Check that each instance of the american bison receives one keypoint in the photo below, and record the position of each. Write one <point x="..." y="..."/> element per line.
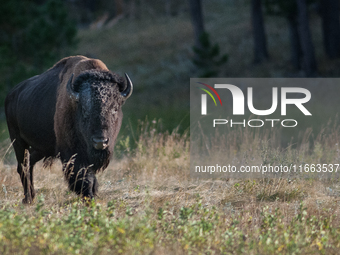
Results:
<point x="72" y="112"/>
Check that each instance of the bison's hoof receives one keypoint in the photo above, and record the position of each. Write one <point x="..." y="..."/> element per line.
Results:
<point x="27" y="201"/>
<point x="88" y="201"/>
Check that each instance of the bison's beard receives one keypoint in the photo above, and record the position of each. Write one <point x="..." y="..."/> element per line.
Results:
<point x="99" y="159"/>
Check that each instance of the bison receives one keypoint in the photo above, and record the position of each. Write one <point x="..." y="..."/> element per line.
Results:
<point x="72" y="112"/>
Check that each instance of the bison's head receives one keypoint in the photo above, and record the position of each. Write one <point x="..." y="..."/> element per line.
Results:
<point x="99" y="96"/>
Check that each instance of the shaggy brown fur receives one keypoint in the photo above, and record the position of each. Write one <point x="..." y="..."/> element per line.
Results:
<point x="64" y="118"/>
<point x="44" y="119"/>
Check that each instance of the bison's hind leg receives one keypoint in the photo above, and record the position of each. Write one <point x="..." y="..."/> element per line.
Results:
<point x="26" y="161"/>
<point x="25" y="175"/>
<point x="22" y="155"/>
<point x="25" y="170"/>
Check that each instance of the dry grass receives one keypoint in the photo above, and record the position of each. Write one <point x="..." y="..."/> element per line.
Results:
<point x="151" y="187"/>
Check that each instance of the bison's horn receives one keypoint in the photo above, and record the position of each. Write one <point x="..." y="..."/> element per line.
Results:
<point x="73" y="94"/>
<point x="129" y="87"/>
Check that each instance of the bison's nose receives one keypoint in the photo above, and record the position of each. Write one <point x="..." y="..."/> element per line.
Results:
<point x="100" y="143"/>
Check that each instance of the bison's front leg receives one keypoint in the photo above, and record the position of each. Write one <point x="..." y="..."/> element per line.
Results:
<point x="82" y="181"/>
<point x="95" y="186"/>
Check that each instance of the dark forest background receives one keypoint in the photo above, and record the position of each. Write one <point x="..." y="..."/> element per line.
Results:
<point x="162" y="43"/>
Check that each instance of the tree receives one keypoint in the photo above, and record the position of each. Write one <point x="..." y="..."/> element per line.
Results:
<point x="32" y="38"/>
<point x="207" y="58"/>
<point x="288" y="9"/>
<point x="197" y="20"/>
<point x="308" y="56"/>
<point x="331" y="27"/>
<point x="260" y="43"/>
<point x="207" y="55"/>
<point x="119" y="7"/>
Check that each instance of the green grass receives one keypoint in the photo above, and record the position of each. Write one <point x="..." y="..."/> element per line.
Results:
<point x="99" y="229"/>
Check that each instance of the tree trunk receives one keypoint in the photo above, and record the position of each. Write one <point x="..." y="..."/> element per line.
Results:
<point x="295" y="45"/>
<point x="119" y="7"/>
<point x="197" y="20"/>
<point x="308" y="56"/>
<point x="91" y="5"/>
<point x="168" y="8"/>
<point x="260" y="44"/>
<point x="331" y="27"/>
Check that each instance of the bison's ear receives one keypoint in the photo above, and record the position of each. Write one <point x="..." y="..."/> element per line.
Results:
<point x="70" y="89"/>
<point x="129" y="87"/>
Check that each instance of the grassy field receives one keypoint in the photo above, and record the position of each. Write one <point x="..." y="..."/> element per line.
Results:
<point x="147" y="202"/>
